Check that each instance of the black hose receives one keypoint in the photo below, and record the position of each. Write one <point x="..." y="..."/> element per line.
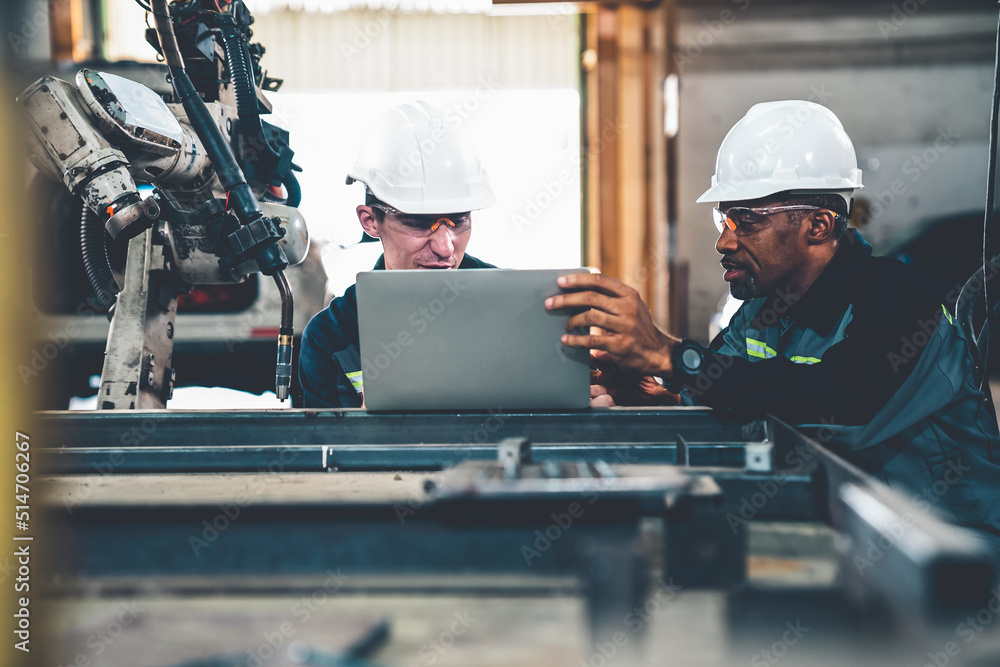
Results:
<point x="294" y="190"/>
<point x="287" y="304"/>
<point x="241" y="199"/>
<point x="238" y="59"/>
<point x="94" y="250"/>
<point x="283" y="365"/>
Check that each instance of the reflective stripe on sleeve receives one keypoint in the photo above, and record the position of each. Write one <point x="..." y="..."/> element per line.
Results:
<point x="805" y="360"/>
<point x="356" y="380"/>
<point x="756" y="348"/>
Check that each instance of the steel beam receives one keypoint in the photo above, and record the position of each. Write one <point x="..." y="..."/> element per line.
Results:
<point x="355" y="458"/>
<point x="928" y="571"/>
<point x="260" y="428"/>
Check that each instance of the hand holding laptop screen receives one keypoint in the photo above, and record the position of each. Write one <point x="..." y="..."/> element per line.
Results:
<point x="628" y="350"/>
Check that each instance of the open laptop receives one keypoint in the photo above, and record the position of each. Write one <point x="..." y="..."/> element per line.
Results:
<point x="472" y="339"/>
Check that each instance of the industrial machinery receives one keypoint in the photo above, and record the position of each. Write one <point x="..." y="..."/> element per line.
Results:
<point x="646" y="518"/>
<point x="200" y="187"/>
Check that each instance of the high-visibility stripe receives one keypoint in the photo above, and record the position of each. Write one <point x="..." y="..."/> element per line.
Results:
<point x="356" y="380"/>
<point x="947" y="314"/>
<point x="805" y="360"/>
<point x="756" y="348"/>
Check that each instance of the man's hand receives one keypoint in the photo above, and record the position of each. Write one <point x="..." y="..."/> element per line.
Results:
<point x="630" y="338"/>
<point x="600" y="398"/>
<point x="612" y="386"/>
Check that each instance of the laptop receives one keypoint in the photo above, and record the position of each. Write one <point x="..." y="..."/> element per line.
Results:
<point x="470" y="339"/>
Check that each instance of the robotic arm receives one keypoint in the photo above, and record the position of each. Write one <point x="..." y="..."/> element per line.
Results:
<point x="203" y="223"/>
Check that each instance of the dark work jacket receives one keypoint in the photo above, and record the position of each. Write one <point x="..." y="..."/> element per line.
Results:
<point x="876" y="366"/>
<point x="330" y="354"/>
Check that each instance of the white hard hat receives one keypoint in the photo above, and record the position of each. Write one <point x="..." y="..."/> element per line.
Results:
<point x="415" y="161"/>
<point x="792" y="145"/>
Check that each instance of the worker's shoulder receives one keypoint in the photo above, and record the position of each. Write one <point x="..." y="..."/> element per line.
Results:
<point x="470" y="262"/>
<point x="887" y="282"/>
<point x="336" y="326"/>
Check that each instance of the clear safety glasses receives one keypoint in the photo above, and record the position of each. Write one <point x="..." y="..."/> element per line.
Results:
<point x="743" y="221"/>
<point x="425" y="225"/>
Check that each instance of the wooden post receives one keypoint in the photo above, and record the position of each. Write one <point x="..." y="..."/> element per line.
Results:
<point x="625" y="65"/>
<point x="66" y="30"/>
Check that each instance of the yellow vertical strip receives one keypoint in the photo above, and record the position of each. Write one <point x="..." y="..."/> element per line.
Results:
<point x="15" y="248"/>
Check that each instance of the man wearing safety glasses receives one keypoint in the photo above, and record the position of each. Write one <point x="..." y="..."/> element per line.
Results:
<point x="828" y="336"/>
<point x="422" y="181"/>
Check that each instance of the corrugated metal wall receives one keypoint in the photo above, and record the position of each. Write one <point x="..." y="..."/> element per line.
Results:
<point x="364" y="49"/>
<point x="392" y="51"/>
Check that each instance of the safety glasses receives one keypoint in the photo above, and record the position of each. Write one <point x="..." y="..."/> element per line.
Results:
<point x="743" y="221"/>
<point x="425" y="225"/>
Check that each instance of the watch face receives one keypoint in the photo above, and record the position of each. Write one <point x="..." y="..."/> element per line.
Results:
<point x="691" y="358"/>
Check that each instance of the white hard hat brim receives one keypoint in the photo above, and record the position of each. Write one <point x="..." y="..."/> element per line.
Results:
<point x="749" y="191"/>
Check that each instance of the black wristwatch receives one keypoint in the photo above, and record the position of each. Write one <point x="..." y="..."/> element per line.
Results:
<point x="688" y="359"/>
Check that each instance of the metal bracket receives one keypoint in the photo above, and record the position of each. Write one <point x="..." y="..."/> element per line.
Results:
<point x="511" y="453"/>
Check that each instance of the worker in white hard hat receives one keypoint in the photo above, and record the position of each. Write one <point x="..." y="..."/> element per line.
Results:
<point x="827" y="336"/>
<point x="422" y="181"/>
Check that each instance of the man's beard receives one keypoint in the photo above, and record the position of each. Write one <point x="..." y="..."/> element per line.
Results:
<point x="745" y="290"/>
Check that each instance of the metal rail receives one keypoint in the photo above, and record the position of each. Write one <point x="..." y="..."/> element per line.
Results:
<point x="260" y="428"/>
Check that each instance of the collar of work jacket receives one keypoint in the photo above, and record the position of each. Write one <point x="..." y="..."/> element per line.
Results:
<point x="826" y="299"/>
<point x="468" y="262"/>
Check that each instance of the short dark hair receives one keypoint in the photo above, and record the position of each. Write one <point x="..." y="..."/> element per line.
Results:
<point x="835" y="203"/>
<point x="371" y="200"/>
